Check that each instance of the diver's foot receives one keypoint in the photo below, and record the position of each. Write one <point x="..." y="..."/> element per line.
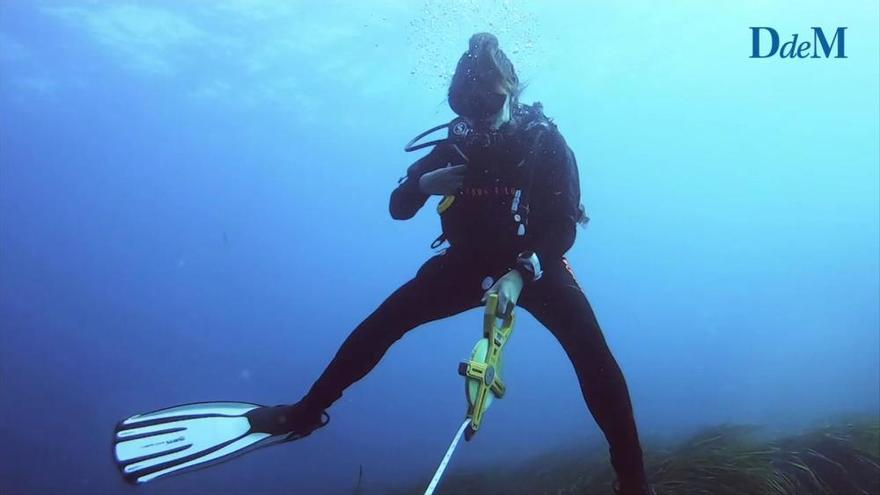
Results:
<point x="296" y="420"/>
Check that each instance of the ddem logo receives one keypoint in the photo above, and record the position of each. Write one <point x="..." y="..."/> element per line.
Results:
<point x="819" y="47"/>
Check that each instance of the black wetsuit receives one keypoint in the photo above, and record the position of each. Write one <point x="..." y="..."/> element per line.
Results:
<point x="484" y="242"/>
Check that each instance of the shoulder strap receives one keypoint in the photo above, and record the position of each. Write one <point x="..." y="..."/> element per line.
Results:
<point x="539" y="125"/>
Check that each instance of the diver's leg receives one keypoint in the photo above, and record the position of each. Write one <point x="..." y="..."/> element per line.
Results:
<point x="441" y="288"/>
<point x="557" y="301"/>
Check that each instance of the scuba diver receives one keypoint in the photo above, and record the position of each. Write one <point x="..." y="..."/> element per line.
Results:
<point x="510" y="208"/>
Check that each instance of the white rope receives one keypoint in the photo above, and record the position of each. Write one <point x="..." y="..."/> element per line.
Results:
<point x="445" y="461"/>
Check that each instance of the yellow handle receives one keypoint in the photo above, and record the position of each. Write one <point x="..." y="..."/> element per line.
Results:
<point x="445" y="204"/>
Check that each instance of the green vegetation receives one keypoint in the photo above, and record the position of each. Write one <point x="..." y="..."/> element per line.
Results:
<point x="842" y="458"/>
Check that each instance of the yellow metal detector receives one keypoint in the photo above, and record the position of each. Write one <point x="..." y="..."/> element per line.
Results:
<point x="482" y="377"/>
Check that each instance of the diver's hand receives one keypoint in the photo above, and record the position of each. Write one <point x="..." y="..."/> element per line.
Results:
<point x="508" y="288"/>
<point x="443" y="181"/>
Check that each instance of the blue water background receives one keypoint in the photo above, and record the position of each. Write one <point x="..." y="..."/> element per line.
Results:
<point x="193" y="206"/>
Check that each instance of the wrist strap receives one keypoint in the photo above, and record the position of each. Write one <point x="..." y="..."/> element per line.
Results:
<point x="528" y="264"/>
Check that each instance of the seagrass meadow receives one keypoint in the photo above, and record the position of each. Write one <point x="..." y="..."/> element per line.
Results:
<point x="838" y="457"/>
